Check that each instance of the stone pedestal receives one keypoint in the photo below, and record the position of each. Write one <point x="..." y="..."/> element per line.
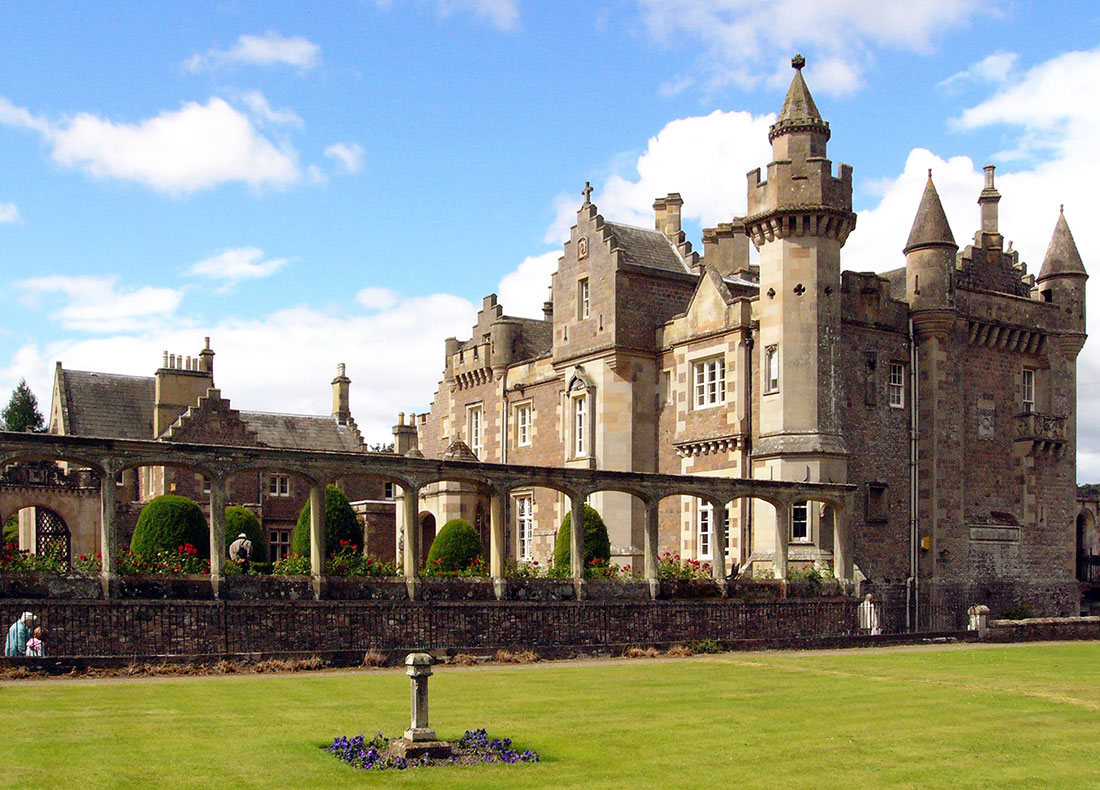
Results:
<point x="420" y="739"/>
<point x="408" y="749"/>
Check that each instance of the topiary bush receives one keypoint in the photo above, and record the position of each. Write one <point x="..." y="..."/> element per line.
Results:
<point x="240" y="519"/>
<point x="456" y="546"/>
<point x="168" y="522"/>
<point x="596" y="543"/>
<point x="11" y="530"/>
<point x="341" y="523"/>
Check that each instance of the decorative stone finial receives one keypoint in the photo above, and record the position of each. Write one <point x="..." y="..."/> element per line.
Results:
<point x="797" y="62"/>
<point x="929" y="174"/>
<point x="587" y="192"/>
<point x="1061" y="208"/>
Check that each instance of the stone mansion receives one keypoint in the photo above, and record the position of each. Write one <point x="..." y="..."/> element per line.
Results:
<point x="944" y="390"/>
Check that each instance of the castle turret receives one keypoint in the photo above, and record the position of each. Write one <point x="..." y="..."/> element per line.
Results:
<point x="799" y="218"/>
<point x="1062" y="278"/>
<point x="929" y="265"/>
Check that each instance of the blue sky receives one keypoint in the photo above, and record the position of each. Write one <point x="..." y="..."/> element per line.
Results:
<point x="343" y="182"/>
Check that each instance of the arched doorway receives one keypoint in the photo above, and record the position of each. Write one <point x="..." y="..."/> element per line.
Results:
<point x="1088" y="563"/>
<point x="427" y="534"/>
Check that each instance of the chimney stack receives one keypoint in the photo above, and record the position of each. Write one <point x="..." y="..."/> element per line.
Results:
<point x="341" y="396"/>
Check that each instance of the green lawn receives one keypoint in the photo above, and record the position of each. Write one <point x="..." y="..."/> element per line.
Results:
<point x="1011" y="716"/>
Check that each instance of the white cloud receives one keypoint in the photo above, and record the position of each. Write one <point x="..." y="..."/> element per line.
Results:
<point x="746" y="42"/>
<point x="995" y="68"/>
<point x="501" y="14"/>
<point x="523" y="291"/>
<point x="377" y="298"/>
<point x="235" y="265"/>
<point x="262" y="111"/>
<point x="270" y="49"/>
<point x="704" y="158"/>
<point x="96" y="304"/>
<point x="350" y="155"/>
<point x="178" y="151"/>
<point x="285" y="361"/>
<point x="9" y="213"/>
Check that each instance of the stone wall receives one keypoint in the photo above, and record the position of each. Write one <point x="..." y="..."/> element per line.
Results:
<point x="150" y="628"/>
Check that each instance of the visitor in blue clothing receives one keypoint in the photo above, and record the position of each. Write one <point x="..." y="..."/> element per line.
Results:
<point x="18" y="634"/>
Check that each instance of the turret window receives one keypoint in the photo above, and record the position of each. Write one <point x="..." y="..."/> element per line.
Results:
<point x="1029" y="391"/>
<point x="771" y="369"/>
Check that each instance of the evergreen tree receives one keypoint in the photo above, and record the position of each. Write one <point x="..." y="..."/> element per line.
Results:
<point x="22" y="413"/>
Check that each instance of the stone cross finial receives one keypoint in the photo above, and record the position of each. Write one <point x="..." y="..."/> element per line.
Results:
<point x="418" y="666"/>
<point x="797" y="62"/>
<point x="587" y="192"/>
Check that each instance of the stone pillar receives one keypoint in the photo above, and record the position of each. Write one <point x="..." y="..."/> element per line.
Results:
<point x="410" y="505"/>
<point x="108" y="534"/>
<point x="217" y="534"/>
<point x="418" y="666"/>
<point x="842" y="550"/>
<point x="497" y="549"/>
<point x="652" y="514"/>
<point x="782" y="534"/>
<point x="317" y="536"/>
<point x="717" y="541"/>
<point x="576" y="537"/>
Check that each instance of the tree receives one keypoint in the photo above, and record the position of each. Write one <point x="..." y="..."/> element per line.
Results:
<point x="22" y="413"/>
<point x="341" y="523"/>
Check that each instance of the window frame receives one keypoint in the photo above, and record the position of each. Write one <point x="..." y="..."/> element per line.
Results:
<point x="584" y="299"/>
<point x="522" y="421"/>
<point x="581" y="425"/>
<point x="279" y="543"/>
<point x="278" y="484"/>
<point x="770" y="369"/>
<point x="805" y="520"/>
<point x="525" y="526"/>
<point x="709" y="382"/>
<point x="1027" y="390"/>
<point x="895" y="386"/>
<point x="474" y="428"/>
<point x="703" y="531"/>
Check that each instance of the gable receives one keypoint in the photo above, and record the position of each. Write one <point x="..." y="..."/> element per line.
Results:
<point x="212" y="421"/>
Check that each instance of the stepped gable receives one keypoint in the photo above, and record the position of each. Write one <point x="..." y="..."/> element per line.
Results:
<point x="212" y="421"/>
<point x="106" y="404"/>
<point x="650" y="249"/>
<point x="303" y="432"/>
<point x="1062" y="257"/>
<point x="930" y="226"/>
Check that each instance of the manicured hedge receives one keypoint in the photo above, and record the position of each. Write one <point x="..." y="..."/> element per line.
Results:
<point x="341" y="523"/>
<point x="596" y="542"/>
<point x="166" y="523"/>
<point x="455" y="546"/>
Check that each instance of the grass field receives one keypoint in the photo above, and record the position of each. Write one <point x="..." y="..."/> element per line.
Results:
<point x="1007" y="716"/>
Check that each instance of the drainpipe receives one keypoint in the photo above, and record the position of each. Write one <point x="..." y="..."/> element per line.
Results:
<point x="746" y="453"/>
<point x="914" y="517"/>
<point x="504" y="416"/>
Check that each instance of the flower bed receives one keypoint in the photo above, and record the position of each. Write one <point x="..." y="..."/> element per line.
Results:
<point x="474" y="747"/>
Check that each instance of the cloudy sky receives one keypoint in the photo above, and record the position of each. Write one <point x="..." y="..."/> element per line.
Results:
<point x="315" y="184"/>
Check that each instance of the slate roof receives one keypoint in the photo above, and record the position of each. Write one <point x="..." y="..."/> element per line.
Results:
<point x="301" y="431"/>
<point x="536" y="337"/>
<point x="648" y="248"/>
<point x="107" y="404"/>
<point x="930" y="228"/>
<point x="1062" y="257"/>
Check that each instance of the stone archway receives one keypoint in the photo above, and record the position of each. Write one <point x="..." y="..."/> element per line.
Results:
<point x="1088" y="570"/>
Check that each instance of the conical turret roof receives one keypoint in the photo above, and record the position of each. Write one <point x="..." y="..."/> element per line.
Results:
<point x="799" y="111"/>
<point x="930" y="228"/>
<point x="1062" y="256"/>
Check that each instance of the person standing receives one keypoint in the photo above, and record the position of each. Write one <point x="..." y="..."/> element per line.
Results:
<point x="868" y="617"/>
<point x="18" y="634"/>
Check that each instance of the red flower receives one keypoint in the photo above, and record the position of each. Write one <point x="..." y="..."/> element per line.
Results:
<point x="343" y="543"/>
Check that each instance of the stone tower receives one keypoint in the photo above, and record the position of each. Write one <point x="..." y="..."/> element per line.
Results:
<point x="799" y="218"/>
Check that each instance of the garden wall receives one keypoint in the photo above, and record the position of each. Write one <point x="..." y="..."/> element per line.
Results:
<point x="216" y="629"/>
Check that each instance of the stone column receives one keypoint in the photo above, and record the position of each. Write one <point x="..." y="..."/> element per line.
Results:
<point x="410" y="510"/>
<point x="576" y="537"/>
<point x="217" y="533"/>
<point x="108" y="533"/>
<point x="717" y="541"/>
<point x="652" y="513"/>
<point x="497" y="548"/>
<point x="418" y="666"/>
<point x="317" y="535"/>
<point x="842" y="550"/>
<point x="782" y="534"/>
